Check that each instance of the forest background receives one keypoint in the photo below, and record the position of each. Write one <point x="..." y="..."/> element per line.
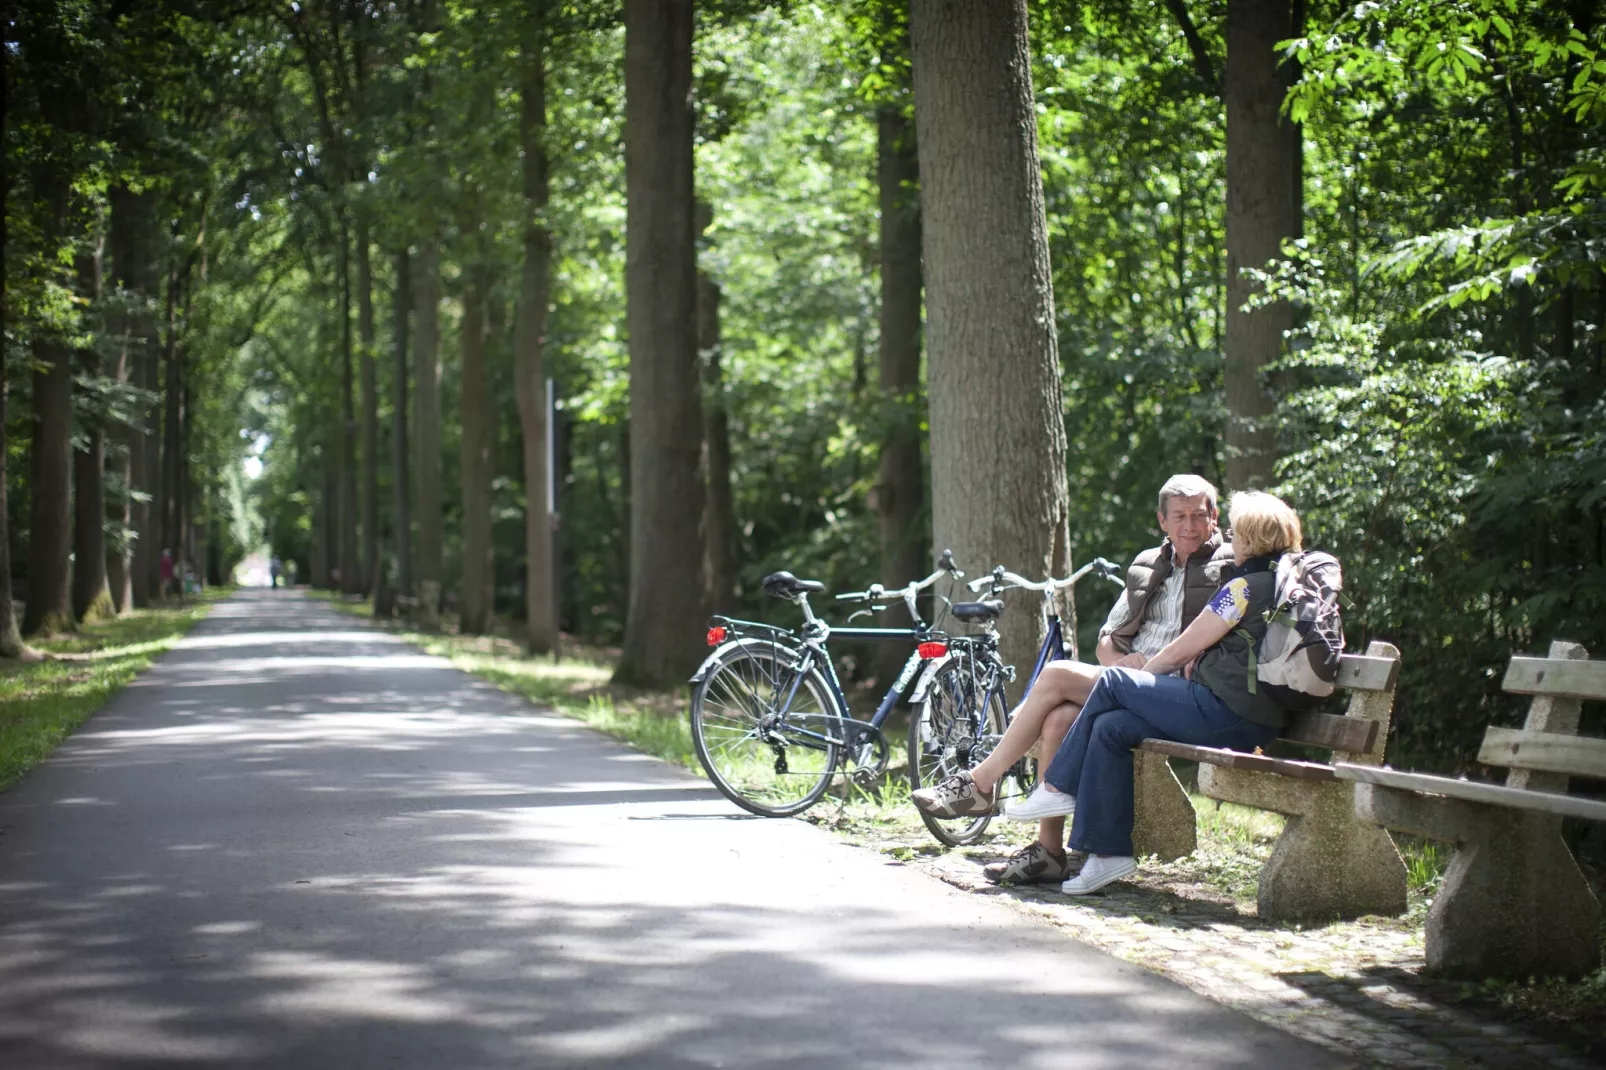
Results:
<point x="348" y="241"/>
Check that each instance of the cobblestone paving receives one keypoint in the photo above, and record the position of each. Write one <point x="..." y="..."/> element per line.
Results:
<point x="1353" y="987"/>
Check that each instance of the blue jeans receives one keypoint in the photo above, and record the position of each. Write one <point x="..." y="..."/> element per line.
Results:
<point x="1126" y="707"/>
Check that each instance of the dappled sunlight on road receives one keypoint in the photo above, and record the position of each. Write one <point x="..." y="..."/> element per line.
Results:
<point x="400" y="865"/>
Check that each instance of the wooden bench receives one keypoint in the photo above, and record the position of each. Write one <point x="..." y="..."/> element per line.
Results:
<point x="1513" y="903"/>
<point x="1327" y="863"/>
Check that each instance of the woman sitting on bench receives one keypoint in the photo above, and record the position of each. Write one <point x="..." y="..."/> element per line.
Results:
<point x="1212" y="704"/>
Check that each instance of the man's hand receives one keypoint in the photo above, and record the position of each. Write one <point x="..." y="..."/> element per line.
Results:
<point x="1133" y="660"/>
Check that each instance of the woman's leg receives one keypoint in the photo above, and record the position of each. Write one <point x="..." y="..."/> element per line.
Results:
<point x="1061" y="683"/>
<point x="1051" y="830"/>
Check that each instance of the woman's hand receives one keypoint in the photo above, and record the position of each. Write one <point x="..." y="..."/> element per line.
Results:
<point x="1205" y="632"/>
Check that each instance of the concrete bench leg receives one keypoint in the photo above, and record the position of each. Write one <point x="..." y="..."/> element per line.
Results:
<point x="1165" y="824"/>
<point x="1513" y="903"/>
<point x="1327" y="864"/>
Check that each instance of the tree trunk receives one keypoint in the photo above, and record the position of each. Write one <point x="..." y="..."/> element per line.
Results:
<point x="370" y="414"/>
<point x="10" y="638"/>
<point x="91" y="597"/>
<point x="402" y="489"/>
<point x="427" y="391"/>
<point x="49" y="603"/>
<point x="660" y="296"/>
<point x="540" y="594"/>
<point x="997" y="428"/>
<point x="900" y="487"/>
<point x="474" y="454"/>
<point x="172" y="501"/>
<point x="133" y="251"/>
<point x="719" y="509"/>
<point x="1263" y="159"/>
<point x="329" y="530"/>
<point x="350" y="565"/>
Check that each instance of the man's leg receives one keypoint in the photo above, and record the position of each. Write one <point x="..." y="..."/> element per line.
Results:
<point x="1060" y="683"/>
<point x="1051" y="830"/>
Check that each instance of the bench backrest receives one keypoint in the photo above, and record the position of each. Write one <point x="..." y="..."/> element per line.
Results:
<point x="1547" y="749"/>
<point x="1360" y="735"/>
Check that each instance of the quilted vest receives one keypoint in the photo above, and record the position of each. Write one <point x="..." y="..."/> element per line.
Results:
<point x="1147" y="575"/>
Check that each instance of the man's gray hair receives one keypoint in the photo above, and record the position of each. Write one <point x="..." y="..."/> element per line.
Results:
<point x="1185" y="486"/>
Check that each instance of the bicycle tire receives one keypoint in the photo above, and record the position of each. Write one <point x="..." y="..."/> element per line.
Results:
<point x="941" y="731"/>
<point x="787" y="773"/>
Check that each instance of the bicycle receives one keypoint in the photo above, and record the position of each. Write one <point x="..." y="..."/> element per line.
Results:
<point x="965" y="711"/>
<point x="769" y="721"/>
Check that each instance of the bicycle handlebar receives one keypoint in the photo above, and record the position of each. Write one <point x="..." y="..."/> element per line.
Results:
<point x="1011" y="581"/>
<point x="876" y="592"/>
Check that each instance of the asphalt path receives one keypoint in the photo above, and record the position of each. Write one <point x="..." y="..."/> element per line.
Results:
<point x="297" y="842"/>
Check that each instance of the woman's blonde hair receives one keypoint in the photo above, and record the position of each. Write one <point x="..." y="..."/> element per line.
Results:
<point x="1263" y="523"/>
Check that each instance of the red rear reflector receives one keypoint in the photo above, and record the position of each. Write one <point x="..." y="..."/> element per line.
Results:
<point x="716" y="636"/>
<point x="932" y="650"/>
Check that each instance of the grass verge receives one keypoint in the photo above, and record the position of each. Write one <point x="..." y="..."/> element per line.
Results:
<point x="42" y="702"/>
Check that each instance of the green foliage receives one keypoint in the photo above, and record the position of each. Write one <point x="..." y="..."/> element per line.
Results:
<point x="1441" y="419"/>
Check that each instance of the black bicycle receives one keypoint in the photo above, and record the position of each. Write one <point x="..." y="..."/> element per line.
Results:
<point x="964" y="710"/>
<point x="769" y="721"/>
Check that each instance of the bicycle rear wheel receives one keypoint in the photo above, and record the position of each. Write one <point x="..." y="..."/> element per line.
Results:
<point x="949" y="733"/>
<point x="767" y="761"/>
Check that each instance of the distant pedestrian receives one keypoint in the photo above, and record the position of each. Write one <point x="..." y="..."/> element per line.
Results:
<point x="167" y="574"/>
<point x="275" y="567"/>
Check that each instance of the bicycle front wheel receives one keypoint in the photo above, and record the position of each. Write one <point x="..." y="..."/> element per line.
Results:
<point x="768" y="739"/>
<point x="950" y="733"/>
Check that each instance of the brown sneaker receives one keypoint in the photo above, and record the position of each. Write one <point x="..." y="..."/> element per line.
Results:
<point x="953" y="796"/>
<point x="1033" y="864"/>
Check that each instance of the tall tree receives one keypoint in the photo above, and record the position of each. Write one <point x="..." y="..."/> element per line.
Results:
<point x="401" y="491"/>
<point x="1263" y="169"/>
<point x="49" y="603"/>
<point x="370" y="412"/>
<point x="997" y="430"/>
<point x="350" y="564"/>
<point x="427" y="429"/>
<point x="10" y="638"/>
<point x="133" y="238"/>
<point x="477" y="421"/>
<point x="660" y="301"/>
<point x="900" y="490"/>
<point x="540" y="581"/>
<point x="91" y="597"/>
<point x="719" y="510"/>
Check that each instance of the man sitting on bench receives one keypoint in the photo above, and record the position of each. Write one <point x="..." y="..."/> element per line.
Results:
<point x="1166" y="587"/>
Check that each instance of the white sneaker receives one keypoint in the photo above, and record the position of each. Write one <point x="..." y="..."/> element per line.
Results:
<point x="1039" y="804"/>
<point x="1098" y="871"/>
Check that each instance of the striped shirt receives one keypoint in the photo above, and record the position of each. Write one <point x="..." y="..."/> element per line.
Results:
<point x="1163" y="622"/>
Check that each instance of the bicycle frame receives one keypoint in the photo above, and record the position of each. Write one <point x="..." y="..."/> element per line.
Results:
<point x="817" y="655"/>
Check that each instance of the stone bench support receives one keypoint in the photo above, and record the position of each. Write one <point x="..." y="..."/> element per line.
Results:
<point x="1513" y="903"/>
<point x="1326" y="864"/>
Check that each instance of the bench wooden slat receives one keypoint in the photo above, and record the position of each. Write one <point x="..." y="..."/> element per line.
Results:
<point x="1239" y="760"/>
<point x="1557" y="676"/>
<point x="1475" y="791"/>
<point x="1353" y="735"/>
<point x="1548" y="752"/>
<point x="1358" y="672"/>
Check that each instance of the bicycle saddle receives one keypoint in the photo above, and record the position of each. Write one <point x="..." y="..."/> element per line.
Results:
<point x="786" y="585"/>
<point x="977" y="612"/>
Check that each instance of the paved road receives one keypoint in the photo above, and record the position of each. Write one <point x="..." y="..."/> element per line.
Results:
<point x="296" y="842"/>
